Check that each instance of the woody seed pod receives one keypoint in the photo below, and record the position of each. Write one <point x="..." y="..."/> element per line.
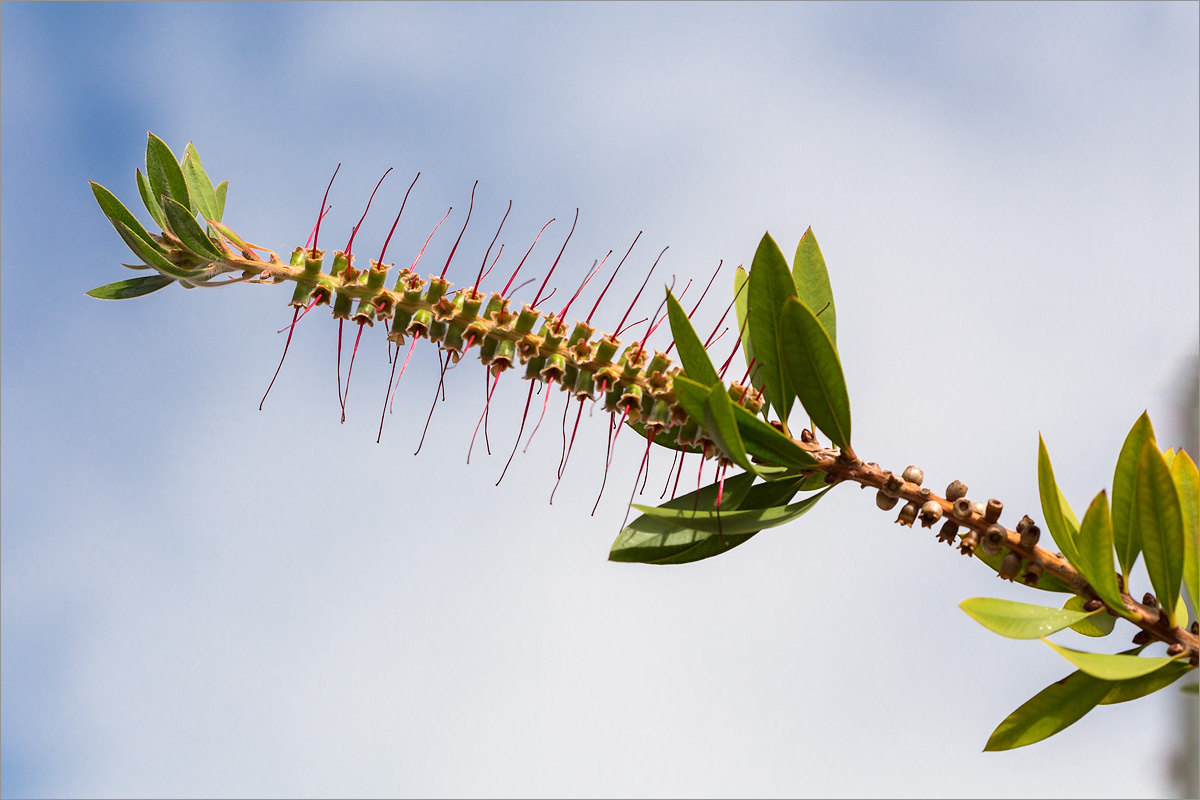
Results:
<point x="908" y="515"/>
<point x="962" y="508"/>
<point x="925" y="493"/>
<point x="968" y="542"/>
<point x="931" y="512"/>
<point x="977" y="507"/>
<point x="1033" y="571"/>
<point x="885" y="501"/>
<point x="914" y="474"/>
<point x="1174" y="650"/>
<point x="1195" y="629"/>
<point x="1149" y="600"/>
<point x="1030" y="536"/>
<point x="956" y="490"/>
<point x="948" y="533"/>
<point x="993" y="540"/>
<point x="1142" y="637"/>
<point x="892" y="484"/>
<point x="992" y="512"/>
<point x="1025" y="522"/>
<point x="1010" y="565"/>
<point x="1093" y="605"/>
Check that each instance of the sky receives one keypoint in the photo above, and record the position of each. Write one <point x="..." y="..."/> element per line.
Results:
<point x="203" y="599"/>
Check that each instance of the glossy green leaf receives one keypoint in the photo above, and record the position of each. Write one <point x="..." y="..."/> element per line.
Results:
<point x="134" y="287"/>
<point x="165" y="174"/>
<point x="668" y="441"/>
<point x="1060" y="519"/>
<point x="200" y="187"/>
<point x="1135" y="688"/>
<point x="1187" y="485"/>
<point x="116" y="212"/>
<point x="812" y="283"/>
<point x="1096" y="552"/>
<point x="1125" y="531"/>
<point x="1055" y="708"/>
<point x="741" y="304"/>
<point x="814" y="371"/>
<point x="1159" y="517"/>
<point x="1097" y="624"/>
<point x="150" y="255"/>
<point x="1119" y="667"/>
<point x="1047" y="583"/>
<point x="765" y="441"/>
<point x="737" y="521"/>
<point x="151" y="201"/>
<point x="188" y="231"/>
<point x="221" y="190"/>
<point x="691" y="395"/>
<point x="693" y="357"/>
<point x="723" y="428"/>
<point x="1019" y="620"/>
<point x="769" y="288"/>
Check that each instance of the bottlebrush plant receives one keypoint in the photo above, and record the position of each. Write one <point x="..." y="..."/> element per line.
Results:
<point x="787" y="327"/>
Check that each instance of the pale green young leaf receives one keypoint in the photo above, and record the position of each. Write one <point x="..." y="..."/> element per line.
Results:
<point x="116" y="212"/>
<point x="1119" y="667"/>
<point x="1059" y="517"/>
<point x="188" y="231"/>
<point x="1187" y="485"/>
<point x="1160" y="524"/>
<point x="150" y="255"/>
<point x="693" y="357"/>
<point x="200" y="187"/>
<point x="1095" y="545"/>
<point x="1055" y="708"/>
<point x="1125" y="529"/>
<point x="221" y="190"/>
<point x="770" y="285"/>
<point x="1136" y="688"/>
<point x="1019" y="620"/>
<point x="814" y="371"/>
<point x="1097" y="624"/>
<point x="165" y="174"/>
<point x="741" y="294"/>
<point x="812" y="282"/>
<point x="151" y="201"/>
<point x="133" y="287"/>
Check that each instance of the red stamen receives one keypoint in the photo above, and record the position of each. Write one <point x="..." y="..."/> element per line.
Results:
<point x="350" y="371"/>
<point x="404" y="366"/>
<point x="607" y="461"/>
<point x="654" y="327"/>
<point x="620" y="427"/>
<point x="493" y="266"/>
<point x="413" y="268"/>
<point x="341" y="401"/>
<point x="307" y="308"/>
<point x="667" y="485"/>
<point x="627" y="327"/>
<point x="678" y="475"/>
<point x="588" y="321"/>
<point x="320" y="214"/>
<point x="489" y="250"/>
<point x="522" y="430"/>
<point x="470" y="208"/>
<point x="567" y="457"/>
<point x="486" y="404"/>
<point x="698" y="302"/>
<point x="290" y="329"/>
<point x="594" y="270"/>
<point x="313" y="232"/>
<point x="388" y="240"/>
<point x="645" y="458"/>
<point x="538" y="297"/>
<point x="545" y="404"/>
<point x="621" y="324"/>
<point x="353" y="233"/>
<point x="440" y="389"/>
<point x="527" y="252"/>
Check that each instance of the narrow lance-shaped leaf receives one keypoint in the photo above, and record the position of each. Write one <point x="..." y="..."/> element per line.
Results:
<point x="116" y="212"/>
<point x="812" y="282"/>
<point x="1187" y="484"/>
<point x="770" y="287"/>
<point x="221" y="190"/>
<point x="165" y="174"/>
<point x="814" y="371"/>
<point x="133" y="287"/>
<point x="1119" y="667"/>
<point x="736" y="521"/>
<point x="1160" y="523"/>
<point x="189" y="232"/>
<point x="723" y="428"/>
<point x="768" y="443"/>
<point x="695" y="360"/>
<point x="1125" y="531"/>
<point x="1059" y="517"/>
<point x="200" y="187"/>
<point x="1019" y="620"/>
<point x="150" y="255"/>
<point x="1055" y="708"/>
<point x="151" y="201"/>
<point x="741" y="294"/>
<point x="1124" y="691"/>
<point x="1096" y="553"/>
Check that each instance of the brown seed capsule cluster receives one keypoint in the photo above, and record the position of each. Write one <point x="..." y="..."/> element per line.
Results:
<point x="956" y="490"/>
<point x="931" y="512"/>
<point x="1033" y="571"/>
<point x="948" y="533"/>
<point x="993" y="540"/>
<point x="1010" y="565"/>
<point x="913" y="474"/>
<point x="885" y="501"/>
<point x="968" y="542"/>
<point x="908" y="515"/>
<point x="962" y="508"/>
<point x="991" y="512"/>
<point x="1030" y="533"/>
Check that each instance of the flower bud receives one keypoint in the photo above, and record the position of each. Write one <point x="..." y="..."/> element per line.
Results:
<point x="1030" y="536"/>
<point x="956" y="490"/>
<point x="914" y="474"/>
<point x="962" y="508"/>
<point x="885" y="501"/>
<point x="1010" y="565"/>
<point x="1033" y="571"/>
<point x="948" y="533"/>
<point x="968" y="542"/>
<point x="1142" y="637"/>
<point x="931" y="512"/>
<point x="992" y="512"/>
<point x="908" y="515"/>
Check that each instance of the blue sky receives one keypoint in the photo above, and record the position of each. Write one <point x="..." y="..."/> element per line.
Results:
<point x="201" y="598"/>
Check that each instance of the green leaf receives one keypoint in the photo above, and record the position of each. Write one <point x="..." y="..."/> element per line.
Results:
<point x="134" y="287"/>
<point x="737" y="521"/>
<point x="723" y="428"/>
<point x="228" y="233"/>
<point x="1096" y="553"/>
<point x="1191" y="688"/>
<point x="1124" y="691"/>
<point x="117" y="212"/>
<point x="691" y="395"/>
<point x="814" y="371"/>
<point x="166" y="177"/>
<point x="222" y="189"/>
<point x="1019" y="620"/>
<point x="812" y="282"/>
<point x="150" y="255"/>
<point x="1060" y="519"/>
<point x="1048" y="712"/>
<point x="1125" y="532"/>
<point x="199" y="186"/>
<point x="150" y="201"/>
<point x="1097" y="624"/>
<point x="768" y="443"/>
<point x="1187" y="484"/>
<point x="696" y="363"/>
<point x="1120" y="667"/>
<point x="188" y="231"/>
<point x="769" y="288"/>
<point x="1159" y="518"/>
<point x="741" y="302"/>
<point x="1169" y="456"/>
